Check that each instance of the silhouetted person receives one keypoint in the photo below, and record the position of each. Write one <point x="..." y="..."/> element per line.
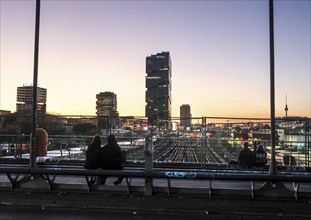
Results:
<point x="246" y="157"/>
<point x="112" y="158"/>
<point x="93" y="153"/>
<point x="255" y="146"/>
<point x="261" y="157"/>
<point x="289" y="160"/>
<point x="93" y="156"/>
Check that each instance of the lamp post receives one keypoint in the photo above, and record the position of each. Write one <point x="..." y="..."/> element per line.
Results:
<point x="35" y="85"/>
<point x="272" y="170"/>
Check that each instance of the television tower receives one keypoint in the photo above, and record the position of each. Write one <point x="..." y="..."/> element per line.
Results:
<point x="286" y="108"/>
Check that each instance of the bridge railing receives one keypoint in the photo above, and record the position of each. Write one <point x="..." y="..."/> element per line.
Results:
<point x="167" y="150"/>
<point x="224" y="138"/>
<point x="48" y="176"/>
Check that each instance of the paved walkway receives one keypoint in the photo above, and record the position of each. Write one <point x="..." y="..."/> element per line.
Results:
<point x="94" y="205"/>
<point x="189" y="199"/>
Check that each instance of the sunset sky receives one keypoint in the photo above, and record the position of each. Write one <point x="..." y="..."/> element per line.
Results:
<point x="219" y="52"/>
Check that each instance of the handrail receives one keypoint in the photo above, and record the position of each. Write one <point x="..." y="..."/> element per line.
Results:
<point x="242" y="176"/>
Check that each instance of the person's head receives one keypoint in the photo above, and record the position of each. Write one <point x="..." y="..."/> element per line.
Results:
<point x="97" y="139"/>
<point x="260" y="148"/>
<point x="111" y="138"/>
<point x="246" y="145"/>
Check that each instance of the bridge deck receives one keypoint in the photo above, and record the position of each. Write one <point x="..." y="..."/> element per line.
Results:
<point x="69" y="196"/>
<point x="23" y="205"/>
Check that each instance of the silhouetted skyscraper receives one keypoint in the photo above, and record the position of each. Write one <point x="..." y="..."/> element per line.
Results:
<point x="159" y="86"/>
<point x="185" y="116"/>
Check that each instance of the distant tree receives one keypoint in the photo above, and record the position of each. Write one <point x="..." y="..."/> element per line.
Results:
<point x="52" y="126"/>
<point x="266" y="126"/>
<point x="26" y="123"/>
<point x="9" y="129"/>
<point x="238" y="129"/>
<point x="9" y="124"/>
<point x="85" y="129"/>
<point x="9" y="120"/>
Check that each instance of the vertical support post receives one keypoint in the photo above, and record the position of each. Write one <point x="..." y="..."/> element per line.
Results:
<point x="35" y="85"/>
<point x="204" y="141"/>
<point x="148" y="164"/>
<point x="272" y="170"/>
<point x="307" y="142"/>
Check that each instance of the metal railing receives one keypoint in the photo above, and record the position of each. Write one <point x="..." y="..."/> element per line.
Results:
<point x="209" y="140"/>
<point x="149" y="173"/>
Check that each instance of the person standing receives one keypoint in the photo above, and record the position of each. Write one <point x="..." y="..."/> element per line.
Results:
<point x="261" y="157"/>
<point x="246" y="157"/>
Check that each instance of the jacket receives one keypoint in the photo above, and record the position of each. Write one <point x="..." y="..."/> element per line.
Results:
<point x="111" y="157"/>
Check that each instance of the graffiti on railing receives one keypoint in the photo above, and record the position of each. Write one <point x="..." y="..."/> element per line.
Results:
<point x="188" y="175"/>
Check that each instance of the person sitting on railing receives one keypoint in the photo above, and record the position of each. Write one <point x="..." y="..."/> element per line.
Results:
<point x="246" y="157"/>
<point x="261" y="157"/>
<point x="92" y="155"/>
<point x="289" y="160"/>
<point x="112" y="157"/>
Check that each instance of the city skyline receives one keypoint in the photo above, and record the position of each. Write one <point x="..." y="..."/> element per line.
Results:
<point x="219" y="52"/>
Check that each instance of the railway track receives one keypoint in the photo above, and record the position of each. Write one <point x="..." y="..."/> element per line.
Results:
<point x="184" y="150"/>
<point x="178" y="150"/>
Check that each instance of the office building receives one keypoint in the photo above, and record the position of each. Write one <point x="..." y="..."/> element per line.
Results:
<point x="106" y="110"/>
<point x="158" y="89"/>
<point x="25" y="97"/>
<point x="3" y="114"/>
<point x="185" y="116"/>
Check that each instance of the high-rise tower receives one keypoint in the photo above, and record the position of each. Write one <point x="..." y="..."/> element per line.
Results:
<point x="106" y="110"/>
<point x="159" y="87"/>
<point x="24" y="99"/>
<point x="185" y="116"/>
